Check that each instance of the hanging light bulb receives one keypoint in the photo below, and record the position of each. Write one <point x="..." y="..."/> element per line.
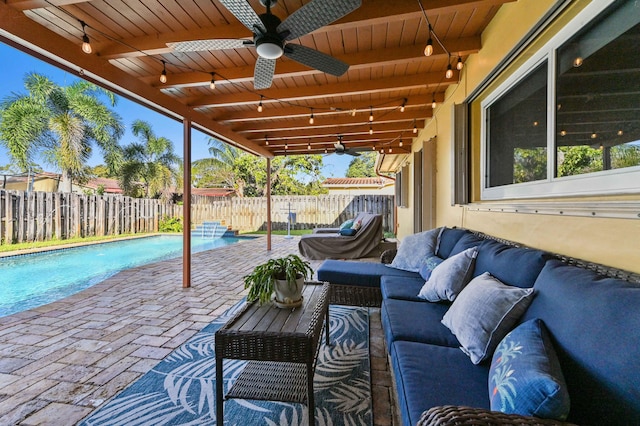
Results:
<point x="370" y="129"/>
<point x="620" y="133"/>
<point x="370" y="113"/>
<point x="86" y="44"/>
<point x="266" y="140"/>
<point x="459" y="65"/>
<point x="326" y="150"/>
<point x="403" y="104"/>
<point x="353" y="112"/>
<point x="163" y="74"/>
<point x="212" y="84"/>
<point x="309" y="146"/>
<point x="577" y="62"/>
<point x="433" y="102"/>
<point x="449" y="72"/>
<point x="390" y="150"/>
<point x="400" y="142"/>
<point x="373" y="147"/>
<point x="260" y="104"/>
<point x="286" y="146"/>
<point x="594" y="135"/>
<point x="311" y="120"/>
<point x="428" y="50"/>
<point x="563" y="133"/>
<point x="415" y="129"/>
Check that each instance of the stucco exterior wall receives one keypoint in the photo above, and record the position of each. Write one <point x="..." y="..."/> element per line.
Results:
<point x="611" y="241"/>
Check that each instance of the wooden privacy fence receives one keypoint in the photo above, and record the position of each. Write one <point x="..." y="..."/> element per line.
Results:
<point x="38" y="216"/>
<point x="248" y="214"/>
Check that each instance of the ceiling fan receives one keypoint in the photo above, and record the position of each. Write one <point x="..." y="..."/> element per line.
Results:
<point x="342" y="149"/>
<point x="271" y="36"/>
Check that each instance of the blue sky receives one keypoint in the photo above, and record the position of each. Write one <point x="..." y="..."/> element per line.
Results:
<point x="21" y="64"/>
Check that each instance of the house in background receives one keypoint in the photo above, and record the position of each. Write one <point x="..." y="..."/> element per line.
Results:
<point x="359" y="186"/>
<point x="39" y="181"/>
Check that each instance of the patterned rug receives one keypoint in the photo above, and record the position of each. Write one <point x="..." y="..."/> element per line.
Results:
<point x="180" y="390"/>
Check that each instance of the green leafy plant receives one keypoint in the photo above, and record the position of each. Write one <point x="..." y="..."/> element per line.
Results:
<point x="262" y="280"/>
<point x="170" y="224"/>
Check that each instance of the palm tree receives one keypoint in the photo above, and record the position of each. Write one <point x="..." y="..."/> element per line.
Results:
<point x="219" y="169"/>
<point x="151" y="163"/>
<point x="61" y="124"/>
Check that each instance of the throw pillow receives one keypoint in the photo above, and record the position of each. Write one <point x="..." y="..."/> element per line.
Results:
<point x="450" y="277"/>
<point x="525" y="376"/>
<point x="483" y="313"/>
<point x="415" y="249"/>
<point x="356" y="225"/>
<point x="349" y="232"/>
<point x="428" y="267"/>
<point x="346" y="224"/>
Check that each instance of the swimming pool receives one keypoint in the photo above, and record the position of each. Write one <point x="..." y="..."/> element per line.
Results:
<point x="32" y="280"/>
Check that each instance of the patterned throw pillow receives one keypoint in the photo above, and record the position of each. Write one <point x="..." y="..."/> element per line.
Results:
<point x="450" y="277"/>
<point x="483" y="313"/>
<point x="429" y="266"/>
<point x="415" y="249"/>
<point x="525" y="376"/>
<point x="357" y="225"/>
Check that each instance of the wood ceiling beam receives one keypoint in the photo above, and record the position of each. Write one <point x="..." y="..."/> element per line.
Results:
<point x="288" y="68"/>
<point x="397" y="127"/>
<point x="29" y="36"/>
<point x="38" y="4"/>
<point x="320" y="122"/>
<point x="371" y="12"/>
<point x="414" y="81"/>
<point x="323" y="109"/>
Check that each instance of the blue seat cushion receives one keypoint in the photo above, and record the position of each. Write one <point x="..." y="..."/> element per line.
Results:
<point x="448" y="238"/>
<point x="416" y="322"/>
<point x="428" y="376"/>
<point x="499" y="259"/>
<point x="595" y="326"/>
<point x="358" y="273"/>
<point x="404" y="288"/>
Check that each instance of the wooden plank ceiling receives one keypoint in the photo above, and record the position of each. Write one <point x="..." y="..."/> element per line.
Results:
<point x="383" y="42"/>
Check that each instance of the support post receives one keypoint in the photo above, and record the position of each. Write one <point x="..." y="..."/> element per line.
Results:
<point x="186" y="206"/>
<point x="268" y="204"/>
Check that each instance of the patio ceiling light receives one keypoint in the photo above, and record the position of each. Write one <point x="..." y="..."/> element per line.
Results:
<point x="212" y="85"/>
<point x="370" y="129"/>
<point x="428" y="50"/>
<point x="433" y="102"/>
<point x="404" y="101"/>
<point x="86" y="43"/>
<point x="370" y="113"/>
<point x="459" y="65"/>
<point x="311" y="120"/>
<point x="163" y="74"/>
<point x="260" y="104"/>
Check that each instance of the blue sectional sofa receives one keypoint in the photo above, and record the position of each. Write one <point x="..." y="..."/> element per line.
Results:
<point x="592" y="318"/>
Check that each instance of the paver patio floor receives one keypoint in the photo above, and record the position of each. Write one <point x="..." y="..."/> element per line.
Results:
<point x="61" y="361"/>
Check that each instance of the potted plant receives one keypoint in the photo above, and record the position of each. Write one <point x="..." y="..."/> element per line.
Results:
<point x="283" y="276"/>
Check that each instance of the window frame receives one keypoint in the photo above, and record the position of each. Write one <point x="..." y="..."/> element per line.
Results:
<point x="605" y="182"/>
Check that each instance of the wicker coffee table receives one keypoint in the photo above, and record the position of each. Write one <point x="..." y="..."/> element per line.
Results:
<point x="282" y="347"/>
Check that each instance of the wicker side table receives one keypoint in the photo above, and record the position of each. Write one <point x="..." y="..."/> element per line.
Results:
<point x="282" y="347"/>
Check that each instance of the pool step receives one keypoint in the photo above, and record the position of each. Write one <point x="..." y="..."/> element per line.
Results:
<point x="212" y="229"/>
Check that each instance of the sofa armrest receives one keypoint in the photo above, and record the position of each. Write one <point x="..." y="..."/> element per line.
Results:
<point x="388" y="255"/>
<point x="450" y="415"/>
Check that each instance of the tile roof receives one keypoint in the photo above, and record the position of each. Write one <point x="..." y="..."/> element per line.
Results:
<point x="367" y="181"/>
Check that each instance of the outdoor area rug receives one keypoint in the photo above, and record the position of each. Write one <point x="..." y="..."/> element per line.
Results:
<point x="180" y="390"/>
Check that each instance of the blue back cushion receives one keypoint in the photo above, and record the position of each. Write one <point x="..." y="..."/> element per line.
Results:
<point x="595" y="324"/>
<point x="465" y="242"/>
<point x="499" y="259"/>
<point x="448" y="238"/>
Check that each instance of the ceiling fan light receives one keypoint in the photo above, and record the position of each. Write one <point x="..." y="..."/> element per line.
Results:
<point x="269" y="50"/>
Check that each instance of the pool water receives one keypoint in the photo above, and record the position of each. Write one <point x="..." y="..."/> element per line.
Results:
<point x="32" y="280"/>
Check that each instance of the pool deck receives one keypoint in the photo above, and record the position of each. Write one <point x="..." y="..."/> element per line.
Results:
<point x="61" y="361"/>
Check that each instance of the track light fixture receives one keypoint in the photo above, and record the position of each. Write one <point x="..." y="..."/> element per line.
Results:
<point x="212" y="84"/>
<point x="163" y="74"/>
<point x="260" y="105"/>
<point x="86" y="43"/>
<point x="459" y="64"/>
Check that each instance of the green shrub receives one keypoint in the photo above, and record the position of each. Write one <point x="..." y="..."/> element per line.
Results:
<point x="170" y="224"/>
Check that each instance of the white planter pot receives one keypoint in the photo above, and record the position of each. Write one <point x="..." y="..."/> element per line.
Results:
<point x="286" y="295"/>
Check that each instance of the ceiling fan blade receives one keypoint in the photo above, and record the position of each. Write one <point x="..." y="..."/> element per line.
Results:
<point x="316" y="14"/>
<point x="245" y="14"/>
<point x="315" y="59"/>
<point x="353" y="153"/>
<point x="213" y="44"/>
<point x="263" y="73"/>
